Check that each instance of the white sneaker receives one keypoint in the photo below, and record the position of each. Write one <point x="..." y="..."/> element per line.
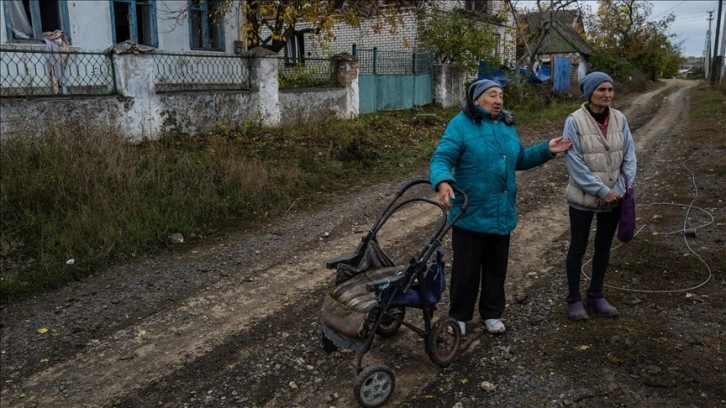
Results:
<point x="494" y="326"/>
<point x="462" y="326"/>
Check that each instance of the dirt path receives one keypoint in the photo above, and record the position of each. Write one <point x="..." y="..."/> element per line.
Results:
<point x="235" y="323"/>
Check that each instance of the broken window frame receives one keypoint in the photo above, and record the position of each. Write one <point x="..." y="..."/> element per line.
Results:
<point x="35" y="18"/>
<point x="151" y="24"/>
<point x="203" y="38"/>
<point x="295" y="49"/>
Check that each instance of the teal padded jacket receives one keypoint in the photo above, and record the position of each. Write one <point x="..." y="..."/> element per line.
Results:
<point x="482" y="160"/>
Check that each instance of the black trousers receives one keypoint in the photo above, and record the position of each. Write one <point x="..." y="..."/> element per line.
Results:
<point x="479" y="262"/>
<point x="580" y="223"/>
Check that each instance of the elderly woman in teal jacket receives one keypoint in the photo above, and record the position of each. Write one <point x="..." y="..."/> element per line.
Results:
<point x="480" y="152"/>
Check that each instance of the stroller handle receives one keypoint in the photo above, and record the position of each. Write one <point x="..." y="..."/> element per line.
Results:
<point x="410" y="184"/>
<point x="395" y="203"/>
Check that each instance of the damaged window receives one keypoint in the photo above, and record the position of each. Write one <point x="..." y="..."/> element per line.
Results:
<point x="29" y="19"/>
<point x="295" y="49"/>
<point x="207" y="24"/>
<point x="134" y="20"/>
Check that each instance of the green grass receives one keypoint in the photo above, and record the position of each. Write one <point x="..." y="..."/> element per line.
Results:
<point x="87" y="195"/>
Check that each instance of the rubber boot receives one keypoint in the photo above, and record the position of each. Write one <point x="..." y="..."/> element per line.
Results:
<point x="576" y="311"/>
<point x="601" y="306"/>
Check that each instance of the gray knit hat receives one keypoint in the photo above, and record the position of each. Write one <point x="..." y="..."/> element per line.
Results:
<point x="481" y="86"/>
<point x="589" y="84"/>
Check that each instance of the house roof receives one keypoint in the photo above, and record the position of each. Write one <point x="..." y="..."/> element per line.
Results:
<point x="573" y="37"/>
<point x="564" y="22"/>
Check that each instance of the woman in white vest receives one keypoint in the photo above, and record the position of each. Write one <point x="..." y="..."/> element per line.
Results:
<point x="602" y="148"/>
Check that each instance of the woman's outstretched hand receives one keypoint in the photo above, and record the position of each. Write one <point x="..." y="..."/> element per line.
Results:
<point x="559" y="145"/>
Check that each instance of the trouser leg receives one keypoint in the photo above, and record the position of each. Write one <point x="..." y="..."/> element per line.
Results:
<point x="580" y="222"/>
<point x="607" y="224"/>
<point x="465" y="273"/>
<point x="494" y="274"/>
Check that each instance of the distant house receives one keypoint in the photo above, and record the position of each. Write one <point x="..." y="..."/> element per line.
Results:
<point x="562" y="40"/>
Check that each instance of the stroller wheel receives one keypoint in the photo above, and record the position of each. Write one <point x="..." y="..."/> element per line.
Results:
<point x="443" y="341"/>
<point x="374" y="386"/>
<point x="391" y="322"/>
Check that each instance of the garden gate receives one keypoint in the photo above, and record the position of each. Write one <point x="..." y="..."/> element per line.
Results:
<point x="393" y="80"/>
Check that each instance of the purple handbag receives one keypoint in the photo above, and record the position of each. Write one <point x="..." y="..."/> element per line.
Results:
<point x="626" y="224"/>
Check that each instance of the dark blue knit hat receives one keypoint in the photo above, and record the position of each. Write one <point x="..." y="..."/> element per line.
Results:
<point x="589" y="84"/>
<point x="481" y="86"/>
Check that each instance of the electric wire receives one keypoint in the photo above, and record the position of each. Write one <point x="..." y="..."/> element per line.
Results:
<point x="685" y="231"/>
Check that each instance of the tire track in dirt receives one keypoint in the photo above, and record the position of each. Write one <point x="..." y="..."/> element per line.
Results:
<point x="157" y="346"/>
<point x="537" y="230"/>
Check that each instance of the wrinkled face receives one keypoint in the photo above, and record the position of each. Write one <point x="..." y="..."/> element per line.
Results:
<point x="491" y="101"/>
<point x="602" y="97"/>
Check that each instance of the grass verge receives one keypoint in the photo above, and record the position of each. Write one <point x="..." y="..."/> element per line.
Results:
<point x="85" y="198"/>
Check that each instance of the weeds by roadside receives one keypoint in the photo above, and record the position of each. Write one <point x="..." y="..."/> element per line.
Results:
<point x="83" y="197"/>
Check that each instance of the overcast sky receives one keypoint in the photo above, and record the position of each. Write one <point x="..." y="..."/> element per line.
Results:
<point x="689" y="27"/>
<point x="691" y="23"/>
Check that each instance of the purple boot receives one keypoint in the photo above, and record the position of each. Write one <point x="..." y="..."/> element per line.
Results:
<point x="601" y="306"/>
<point x="576" y="311"/>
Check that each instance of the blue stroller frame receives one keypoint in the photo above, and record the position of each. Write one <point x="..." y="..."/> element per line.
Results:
<point x="371" y="295"/>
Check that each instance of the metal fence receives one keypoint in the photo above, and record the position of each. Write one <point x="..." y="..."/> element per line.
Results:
<point x="36" y="72"/>
<point x="200" y="72"/>
<point x="382" y="62"/>
<point x="307" y="73"/>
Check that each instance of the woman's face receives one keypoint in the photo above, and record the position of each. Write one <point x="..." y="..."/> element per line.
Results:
<point x="491" y="101"/>
<point x="602" y="97"/>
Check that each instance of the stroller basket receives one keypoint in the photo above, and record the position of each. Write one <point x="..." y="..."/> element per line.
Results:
<point x="348" y="306"/>
<point x="371" y="294"/>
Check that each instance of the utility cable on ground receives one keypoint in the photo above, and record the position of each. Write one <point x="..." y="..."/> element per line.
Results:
<point x="685" y="231"/>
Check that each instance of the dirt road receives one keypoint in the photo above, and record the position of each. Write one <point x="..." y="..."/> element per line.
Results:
<point x="235" y="323"/>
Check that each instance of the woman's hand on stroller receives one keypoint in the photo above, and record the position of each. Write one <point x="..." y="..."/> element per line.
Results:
<point x="445" y="193"/>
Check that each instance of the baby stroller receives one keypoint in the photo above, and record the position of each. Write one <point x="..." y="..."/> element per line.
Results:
<point x="371" y="295"/>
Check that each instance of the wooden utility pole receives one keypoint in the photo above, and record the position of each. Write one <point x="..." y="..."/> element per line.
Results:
<point x="723" y="49"/>
<point x="716" y="62"/>
<point x="707" y="59"/>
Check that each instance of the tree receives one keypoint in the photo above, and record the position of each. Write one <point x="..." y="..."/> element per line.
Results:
<point x="458" y="39"/>
<point x="621" y="28"/>
<point x="280" y="18"/>
<point x="532" y="38"/>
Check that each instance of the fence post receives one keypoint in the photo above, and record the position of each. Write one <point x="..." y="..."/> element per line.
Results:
<point x="449" y="85"/>
<point x="134" y="73"/>
<point x="264" y="80"/>
<point x="375" y="60"/>
<point x="345" y="75"/>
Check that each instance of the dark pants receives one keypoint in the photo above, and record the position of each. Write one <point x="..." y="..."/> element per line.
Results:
<point x="580" y="222"/>
<point x="480" y="261"/>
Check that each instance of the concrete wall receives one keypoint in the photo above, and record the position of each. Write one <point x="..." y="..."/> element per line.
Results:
<point x="139" y="113"/>
<point x="3" y="30"/>
<point x="90" y="24"/>
<point x="449" y="86"/>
